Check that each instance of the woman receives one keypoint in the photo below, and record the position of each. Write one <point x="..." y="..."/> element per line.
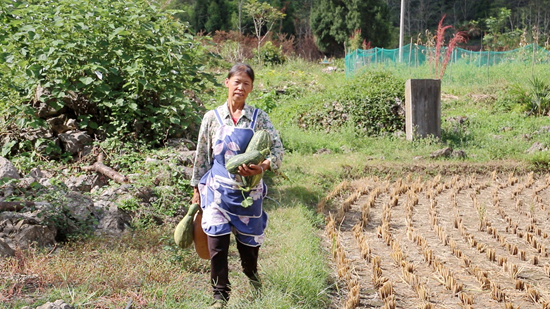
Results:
<point x="225" y="132"/>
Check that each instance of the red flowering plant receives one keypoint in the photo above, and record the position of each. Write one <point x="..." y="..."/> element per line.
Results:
<point x="458" y="37"/>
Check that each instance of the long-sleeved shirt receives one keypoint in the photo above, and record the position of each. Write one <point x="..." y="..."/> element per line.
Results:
<point x="204" y="154"/>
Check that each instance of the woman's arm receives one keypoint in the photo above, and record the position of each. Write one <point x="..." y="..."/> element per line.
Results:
<point x="203" y="154"/>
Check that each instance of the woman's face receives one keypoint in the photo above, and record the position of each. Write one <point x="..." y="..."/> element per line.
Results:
<point x="238" y="87"/>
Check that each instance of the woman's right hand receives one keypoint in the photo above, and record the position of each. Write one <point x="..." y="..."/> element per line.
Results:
<point x="196" y="199"/>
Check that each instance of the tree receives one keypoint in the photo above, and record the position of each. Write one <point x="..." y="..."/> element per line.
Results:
<point x="263" y="14"/>
<point x="211" y="15"/>
<point x="334" y="21"/>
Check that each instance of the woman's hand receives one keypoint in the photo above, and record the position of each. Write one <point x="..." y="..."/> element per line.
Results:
<point x="196" y="199"/>
<point x="253" y="169"/>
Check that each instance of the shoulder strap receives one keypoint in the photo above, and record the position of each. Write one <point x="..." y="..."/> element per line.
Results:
<point x="254" y="117"/>
<point x="218" y="117"/>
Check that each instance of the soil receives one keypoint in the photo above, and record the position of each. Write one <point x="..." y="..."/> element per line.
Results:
<point x="494" y="224"/>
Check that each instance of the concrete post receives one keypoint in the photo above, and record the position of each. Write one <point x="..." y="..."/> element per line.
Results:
<point x="422" y="108"/>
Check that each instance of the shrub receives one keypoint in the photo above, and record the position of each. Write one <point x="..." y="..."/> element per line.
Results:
<point x="370" y="102"/>
<point x="125" y="68"/>
<point x="270" y="54"/>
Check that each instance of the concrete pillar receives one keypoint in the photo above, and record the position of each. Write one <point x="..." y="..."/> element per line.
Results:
<point x="422" y="108"/>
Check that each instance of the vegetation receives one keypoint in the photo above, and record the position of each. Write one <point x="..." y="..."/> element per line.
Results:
<point x="139" y="76"/>
<point x="122" y="68"/>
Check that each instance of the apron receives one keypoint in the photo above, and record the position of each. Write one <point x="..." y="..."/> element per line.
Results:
<point x="220" y="194"/>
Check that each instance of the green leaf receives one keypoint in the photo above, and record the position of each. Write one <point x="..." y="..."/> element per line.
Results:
<point x="7" y="148"/>
<point x="86" y="80"/>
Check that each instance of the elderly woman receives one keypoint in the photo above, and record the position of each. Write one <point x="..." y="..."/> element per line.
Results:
<point x="225" y="132"/>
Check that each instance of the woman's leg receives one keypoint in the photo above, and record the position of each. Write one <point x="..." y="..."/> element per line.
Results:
<point x="219" y="270"/>
<point x="249" y="262"/>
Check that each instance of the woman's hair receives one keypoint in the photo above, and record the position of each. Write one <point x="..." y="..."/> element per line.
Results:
<point x="241" y="68"/>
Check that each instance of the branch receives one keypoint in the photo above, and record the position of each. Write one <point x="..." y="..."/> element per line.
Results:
<point x="105" y="170"/>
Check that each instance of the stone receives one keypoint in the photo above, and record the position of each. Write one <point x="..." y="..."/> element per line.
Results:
<point x="183" y="144"/>
<point x="422" y="108"/>
<point x="32" y="135"/>
<point x="323" y="151"/>
<point x="186" y="157"/>
<point x="442" y="153"/>
<point x="85" y="183"/>
<point x="113" y="221"/>
<point x="58" y="304"/>
<point x="36" y="173"/>
<point x="545" y="129"/>
<point x="5" y="249"/>
<point x="80" y="206"/>
<point x="58" y="124"/>
<point x="75" y="141"/>
<point x="7" y="169"/>
<point x="536" y="147"/>
<point x="461" y="154"/>
<point x="35" y="234"/>
<point x="330" y="69"/>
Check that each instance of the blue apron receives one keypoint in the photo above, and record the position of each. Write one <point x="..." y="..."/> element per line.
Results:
<point x="220" y="194"/>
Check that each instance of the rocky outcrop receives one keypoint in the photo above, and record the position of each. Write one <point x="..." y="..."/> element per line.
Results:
<point x="7" y="169"/>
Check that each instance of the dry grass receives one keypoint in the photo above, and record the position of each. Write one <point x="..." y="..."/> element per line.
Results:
<point x="143" y="267"/>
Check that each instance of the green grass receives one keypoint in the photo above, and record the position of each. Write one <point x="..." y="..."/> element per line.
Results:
<point x="147" y="268"/>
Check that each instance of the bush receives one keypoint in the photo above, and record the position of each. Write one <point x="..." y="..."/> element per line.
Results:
<point x="270" y="54"/>
<point x="371" y="103"/>
<point x="124" y="67"/>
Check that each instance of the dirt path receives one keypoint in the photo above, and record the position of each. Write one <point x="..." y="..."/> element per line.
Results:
<point x="446" y="242"/>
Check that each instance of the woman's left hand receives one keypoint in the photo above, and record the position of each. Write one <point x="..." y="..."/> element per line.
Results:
<point x="253" y="169"/>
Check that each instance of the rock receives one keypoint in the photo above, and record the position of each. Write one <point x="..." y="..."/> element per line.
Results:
<point x="81" y="207"/>
<point x="34" y="134"/>
<point x="418" y="158"/>
<point x="536" y="147"/>
<point x="457" y="119"/>
<point x="183" y="144"/>
<point x="543" y="130"/>
<point x="442" y="153"/>
<point x="35" y="234"/>
<point x="187" y="172"/>
<point x="113" y="221"/>
<point x="7" y="169"/>
<point x="186" y="157"/>
<point x="461" y="154"/>
<point x="330" y="69"/>
<point x="74" y="141"/>
<point x="26" y="182"/>
<point x="323" y="151"/>
<point x="5" y="249"/>
<point x="85" y="183"/>
<point x="61" y="124"/>
<point x="36" y="173"/>
<point x="58" y="304"/>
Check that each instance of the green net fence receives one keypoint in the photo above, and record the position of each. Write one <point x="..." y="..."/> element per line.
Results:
<point x="414" y="56"/>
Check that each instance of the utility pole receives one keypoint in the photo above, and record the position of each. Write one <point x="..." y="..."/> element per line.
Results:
<point x="401" y="26"/>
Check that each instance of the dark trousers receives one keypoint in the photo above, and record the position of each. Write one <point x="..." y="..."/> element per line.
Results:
<point x="219" y="269"/>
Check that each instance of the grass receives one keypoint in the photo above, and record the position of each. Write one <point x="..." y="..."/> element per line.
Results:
<point x="145" y="267"/>
<point x="148" y="269"/>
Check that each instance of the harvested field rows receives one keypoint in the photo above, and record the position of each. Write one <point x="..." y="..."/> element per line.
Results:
<point x="456" y="242"/>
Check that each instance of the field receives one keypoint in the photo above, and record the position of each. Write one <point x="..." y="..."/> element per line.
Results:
<point x="462" y="241"/>
<point x="357" y="222"/>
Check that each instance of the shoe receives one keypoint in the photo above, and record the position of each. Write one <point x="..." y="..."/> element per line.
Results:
<point x="218" y="304"/>
<point x="256" y="287"/>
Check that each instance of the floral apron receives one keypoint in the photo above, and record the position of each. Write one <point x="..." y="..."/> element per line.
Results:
<point x="220" y="194"/>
